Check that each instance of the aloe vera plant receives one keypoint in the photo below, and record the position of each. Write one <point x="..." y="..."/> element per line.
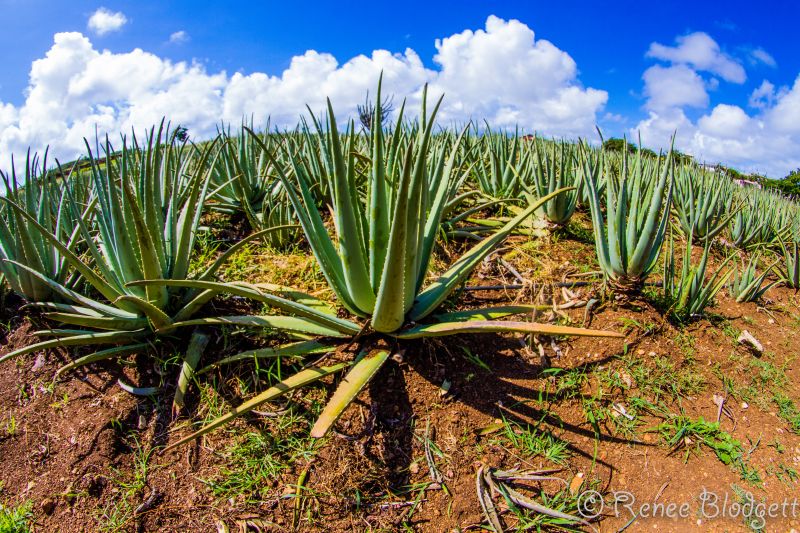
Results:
<point x="376" y="259"/>
<point x="790" y="270"/>
<point x="555" y="170"/>
<point x="240" y="175"/>
<point x="499" y="164"/>
<point x="688" y="289"/>
<point x="749" y="226"/>
<point x="703" y="202"/>
<point x="746" y="285"/>
<point x="147" y="208"/>
<point x="45" y="198"/>
<point x="629" y="238"/>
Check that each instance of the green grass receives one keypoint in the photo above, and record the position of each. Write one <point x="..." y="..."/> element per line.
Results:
<point x="645" y="328"/>
<point x="785" y="474"/>
<point x="660" y="379"/>
<point x="475" y="359"/>
<point x="682" y="434"/>
<point x="686" y="343"/>
<point x="12" y="426"/>
<point x="118" y="514"/>
<point x="745" y="498"/>
<point x="257" y="459"/>
<point x="569" y="382"/>
<point x="296" y="268"/>
<point x="206" y="251"/>
<point x="788" y="411"/>
<point x="530" y="442"/>
<point x="16" y="519"/>
<point x="765" y="381"/>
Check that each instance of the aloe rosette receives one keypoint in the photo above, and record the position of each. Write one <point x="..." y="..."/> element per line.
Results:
<point x="144" y="217"/>
<point x="376" y="259"/>
<point x="629" y="237"/>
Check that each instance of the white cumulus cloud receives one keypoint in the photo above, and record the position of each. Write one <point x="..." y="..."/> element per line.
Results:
<point x="766" y="141"/>
<point x="506" y="75"/>
<point x="701" y="52"/>
<point x="674" y="86"/>
<point x="502" y="73"/>
<point x="759" y="55"/>
<point x="105" y="21"/>
<point x="763" y="96"/>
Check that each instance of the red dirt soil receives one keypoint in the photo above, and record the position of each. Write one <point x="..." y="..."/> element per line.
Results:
<point x="71" y="442"/>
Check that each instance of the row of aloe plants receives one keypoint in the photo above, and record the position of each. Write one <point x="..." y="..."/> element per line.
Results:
<point x="633" y="200"/>
<point x="104" y="248"/>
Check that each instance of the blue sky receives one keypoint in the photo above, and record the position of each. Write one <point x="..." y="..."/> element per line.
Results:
<point x="608" y="43"/>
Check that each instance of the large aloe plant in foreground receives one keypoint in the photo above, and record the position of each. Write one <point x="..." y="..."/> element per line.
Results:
<point x="376" y="259"/>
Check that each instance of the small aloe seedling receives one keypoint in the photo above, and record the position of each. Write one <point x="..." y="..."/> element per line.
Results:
<point x="688" y="288"/>
<point x="746" y="285"/>
<point x="790" y="271"/>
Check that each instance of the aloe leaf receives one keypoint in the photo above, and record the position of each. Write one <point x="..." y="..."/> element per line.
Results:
<point x="197" y="345"/>
<point x="295" y="349"/>
<point x="157" y="317"/>
<point x="277" y="322"/>
<point x="488" y="313"/>
<point x="388" y="311"/>
<point x="523" y="501"/>
<point x="253" y="292"/>
<point x="106" y="323"/>
<point x="352" y="249"/>
<point x="74" y="296"/>
<point x="157" y="296"/>
<point x="136" y="391"/>
<point x="73" y="339"/>
<point x="65" y="308"/>
<point x="378" y="197"/>
<point x="300" y="297"/>
<point x="485" y="499"/>
<point x="359" y="375"/>
<point x="301" y="379"/>
<point x="102" y="355"/>
<point x="441" y="329"/>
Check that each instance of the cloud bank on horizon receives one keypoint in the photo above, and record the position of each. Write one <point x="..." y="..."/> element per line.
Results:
<point x="501" y="73"/>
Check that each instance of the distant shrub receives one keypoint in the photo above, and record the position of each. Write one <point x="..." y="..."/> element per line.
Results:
<point x="618" y="145"/>
<point x="790" y="185"/>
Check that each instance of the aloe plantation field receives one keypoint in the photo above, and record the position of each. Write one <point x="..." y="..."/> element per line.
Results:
<point x="394" y="324"/>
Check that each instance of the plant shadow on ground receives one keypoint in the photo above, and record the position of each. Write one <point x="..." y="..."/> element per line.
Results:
<point x="479" y="391"/>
